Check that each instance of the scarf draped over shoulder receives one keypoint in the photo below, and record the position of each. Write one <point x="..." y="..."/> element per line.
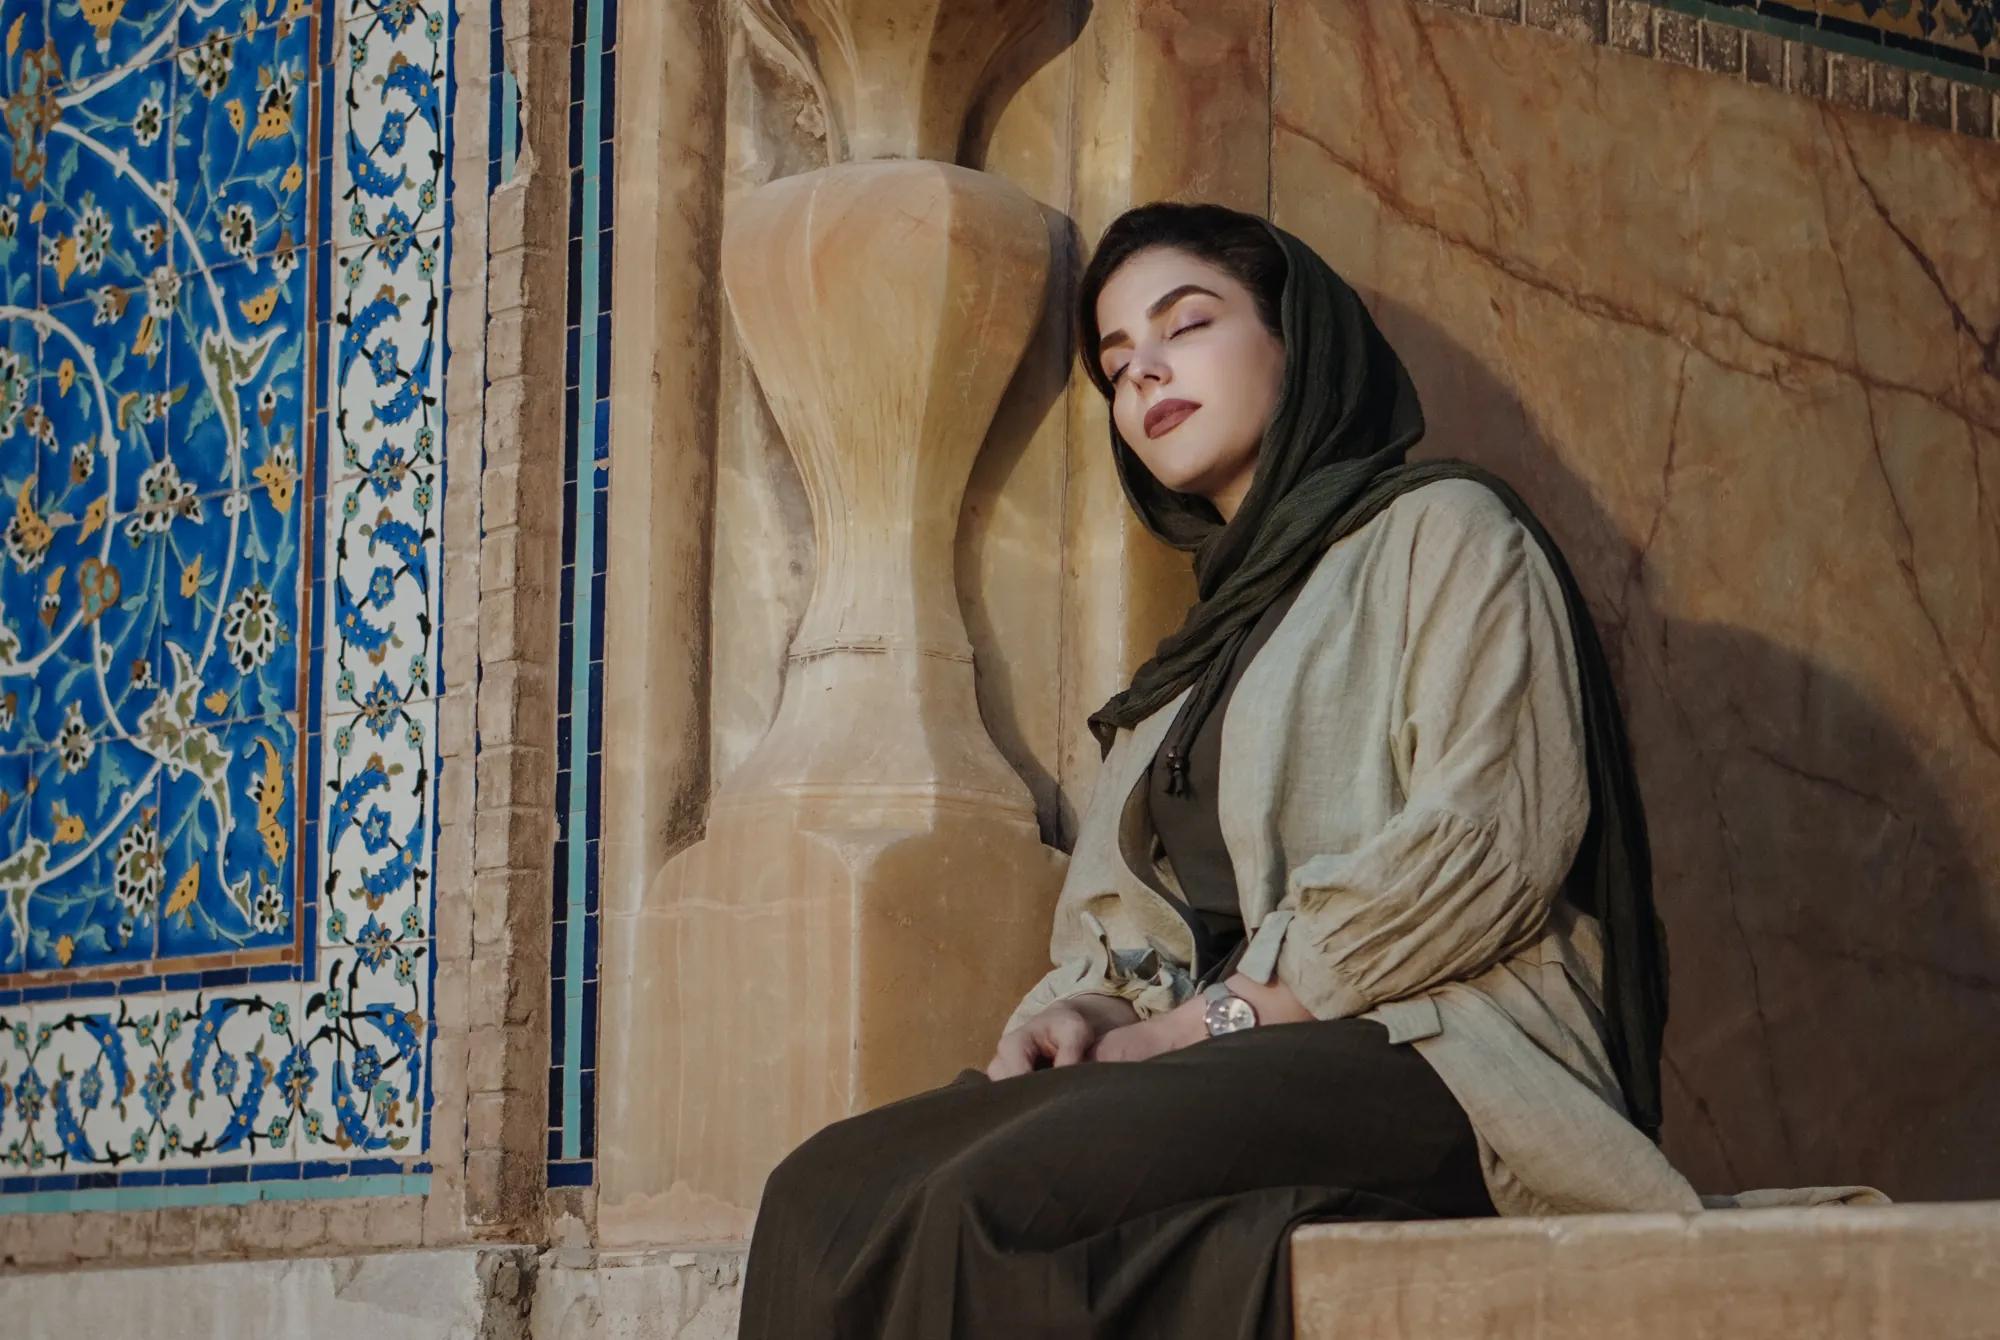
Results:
<point x="1333" y="456"/>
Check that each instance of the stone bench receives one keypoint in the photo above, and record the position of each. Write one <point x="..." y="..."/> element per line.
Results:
<point x="1926" y="1271"/>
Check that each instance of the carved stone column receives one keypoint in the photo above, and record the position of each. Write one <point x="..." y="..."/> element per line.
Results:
<point x="871" y="895"/>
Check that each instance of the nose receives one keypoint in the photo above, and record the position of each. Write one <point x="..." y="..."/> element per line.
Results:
<point x="1147" y="364"/>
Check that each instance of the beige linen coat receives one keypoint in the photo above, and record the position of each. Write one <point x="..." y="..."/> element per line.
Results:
<point x="1402" y="792"/>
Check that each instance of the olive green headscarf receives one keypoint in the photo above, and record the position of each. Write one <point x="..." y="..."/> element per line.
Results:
<point x="1332" y="458"/>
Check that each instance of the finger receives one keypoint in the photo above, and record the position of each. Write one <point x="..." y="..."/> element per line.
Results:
<point x="1070" y="1045"/>
<point x="1010" y="1058"/>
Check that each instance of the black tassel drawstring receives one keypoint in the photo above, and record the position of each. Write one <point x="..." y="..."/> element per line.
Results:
<point x="1177" y="783"/>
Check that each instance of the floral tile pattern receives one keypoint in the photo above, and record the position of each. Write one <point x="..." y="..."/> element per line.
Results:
<point x="218" y="582"/>
<point x="388" y="173"/>
<point x="1971" y="25"/>
<point x="1947" y="37"/>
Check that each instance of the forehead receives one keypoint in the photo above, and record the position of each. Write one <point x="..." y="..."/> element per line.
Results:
<point x="1144" y="276"/>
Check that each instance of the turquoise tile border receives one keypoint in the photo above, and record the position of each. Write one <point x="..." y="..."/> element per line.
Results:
<point x="226" y="1193"/>
<point x="573" y="968"/>
<point x="583" y="531"/>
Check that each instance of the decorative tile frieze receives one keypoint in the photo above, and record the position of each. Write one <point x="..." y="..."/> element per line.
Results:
<point x="221" y="346"/>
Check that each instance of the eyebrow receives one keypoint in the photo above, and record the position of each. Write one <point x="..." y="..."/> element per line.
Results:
<point x="1160" y="304"/>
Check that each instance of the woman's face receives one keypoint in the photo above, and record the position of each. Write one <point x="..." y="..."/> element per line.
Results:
<point x="1186" y="353"/>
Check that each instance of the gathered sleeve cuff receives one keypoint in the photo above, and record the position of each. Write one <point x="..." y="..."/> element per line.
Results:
<point x="1149" y="981"/>
<point x="1489" y="739"/>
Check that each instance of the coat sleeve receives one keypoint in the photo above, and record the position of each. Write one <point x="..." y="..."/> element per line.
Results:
<point x="1487" y="736"/>
<point x="1086" y="964"/>
<point x="1091" y="943"/>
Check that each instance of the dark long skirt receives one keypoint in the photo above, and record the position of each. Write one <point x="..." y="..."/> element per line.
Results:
<point x="1135" y="1199"/>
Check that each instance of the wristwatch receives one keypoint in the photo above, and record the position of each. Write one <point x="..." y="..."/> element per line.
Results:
<point x="1227" y="1012"/>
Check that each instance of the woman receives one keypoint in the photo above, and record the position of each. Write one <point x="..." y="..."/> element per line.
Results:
<point x="1371" y="939"/>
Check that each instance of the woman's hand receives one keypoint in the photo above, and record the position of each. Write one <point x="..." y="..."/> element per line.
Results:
<point x="1187" y="1023"/>
<point x="1062" y="1034"/>
<point x="1179" y="1027"/>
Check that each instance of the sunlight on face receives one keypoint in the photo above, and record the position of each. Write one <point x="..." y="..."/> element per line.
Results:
<point x="1175" y="328"/>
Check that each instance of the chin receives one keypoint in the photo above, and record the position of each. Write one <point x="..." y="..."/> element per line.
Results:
<point x="1199" y="480"/>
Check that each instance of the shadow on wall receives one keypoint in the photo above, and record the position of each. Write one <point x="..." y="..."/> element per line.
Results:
<point x="1835" y="972"/>
<point x="1038" y="383"/>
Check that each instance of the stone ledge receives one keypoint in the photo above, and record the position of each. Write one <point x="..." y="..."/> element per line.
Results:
<point x="1930" y="1270"/>
<point x="411" y="1295"/>
<point x="664" y="1293"/>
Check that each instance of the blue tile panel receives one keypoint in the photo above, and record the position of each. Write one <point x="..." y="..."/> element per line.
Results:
<point x="579" y="729"/>
<point x="222" y="251"/>
<point x="1957" y="39"/>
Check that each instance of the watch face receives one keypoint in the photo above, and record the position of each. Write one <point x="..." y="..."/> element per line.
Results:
<point x="1231" y="1014"/>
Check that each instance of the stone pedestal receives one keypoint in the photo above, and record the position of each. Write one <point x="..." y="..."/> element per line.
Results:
<point x="871" y="895"/>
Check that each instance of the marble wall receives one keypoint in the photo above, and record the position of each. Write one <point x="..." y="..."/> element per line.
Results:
<point x="1738" y="348"/>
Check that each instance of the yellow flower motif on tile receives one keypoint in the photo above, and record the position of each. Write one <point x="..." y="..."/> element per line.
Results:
<point x="93" y="517"/>
<point x="217" y="702"/>
<point x="278" y="478"/>
<point x="69" y="827"/>
<point x="102" y="16"/>
<point x="268" y="792"/>
<point x="235" y="109"/>
<point x="257" y="310"/>
<point x="274" y="118"/>
<point x="191" y="578"/>
<point x="293" y="176"/>
<point x="65" y="375"/>
<point x="35" y="214"/>
<point x="14" y="36"/>
<point x="51" y="601"/>
<point x="184" y="893"/>
<point x="65" y="946"/>
<point x="30" y="535"/>
<point x="65" y="261"/>
<point x="146" y="342"/>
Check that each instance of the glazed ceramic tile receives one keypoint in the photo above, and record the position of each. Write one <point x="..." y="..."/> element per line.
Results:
<point x="164" y="548"/>
<point x="165" y="1080"/>
<point x="388" y="165"/>
<point x="108" y="208"/>
<point x="16" y="823"/>
<point x="94" y="639"/>
<point x="238" y="380"/>
<point x="20" y="238"/>
<point x="229" y="598"/>
<point x="204" y="18"/>
<point x="102" y="394"/>
<point x="367" y="1015"/>
<point x="388" y="332"/>
<point x="378" y="781"/>
<point x="97" y="40"/>
<point x="85" y="874"/>
<point x="1970" y="25"/>
<point x="380" y="557"/>
<point x="229" y="820"/>
<point x="241" y="117"/>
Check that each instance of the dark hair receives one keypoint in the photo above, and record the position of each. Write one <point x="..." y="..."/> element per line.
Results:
<point x="1234" y="242"/>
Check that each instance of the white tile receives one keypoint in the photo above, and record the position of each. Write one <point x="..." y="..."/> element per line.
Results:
<point x="389" y="145"/>
<point x="173" y="1079"/>
<point x="369" y="1018"/>
<point x="385" y="367"/>
<point x="380" y="557"/>
<point x="379" y="786"/>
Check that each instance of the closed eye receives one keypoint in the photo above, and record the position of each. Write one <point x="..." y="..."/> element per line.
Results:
<point x="1192" y="325"/>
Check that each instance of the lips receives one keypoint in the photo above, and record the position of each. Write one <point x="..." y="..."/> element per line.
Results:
<point x="1163" y="417"/>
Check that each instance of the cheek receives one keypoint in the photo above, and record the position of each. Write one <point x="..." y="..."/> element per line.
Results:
<point x="1131" y="423"/>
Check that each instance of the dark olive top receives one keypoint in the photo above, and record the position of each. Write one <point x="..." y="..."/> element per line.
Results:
<point x="1190" y="829"/>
